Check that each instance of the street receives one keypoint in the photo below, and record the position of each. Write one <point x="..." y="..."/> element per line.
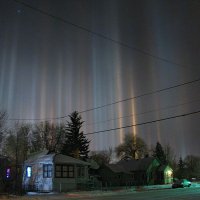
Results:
<point x="172" y="194"/>
<point x="164" y="194"/>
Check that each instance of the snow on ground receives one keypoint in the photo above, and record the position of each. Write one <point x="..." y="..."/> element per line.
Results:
<point x="75" y="194"/>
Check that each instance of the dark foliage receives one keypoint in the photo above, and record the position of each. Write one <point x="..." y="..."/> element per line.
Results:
<point x="76" y="144"/>
<point x="160" y="154"/>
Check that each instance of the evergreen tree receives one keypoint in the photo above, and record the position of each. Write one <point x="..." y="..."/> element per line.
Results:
<point x="181" y="168"/>
<point x="76" y="144"/>
<point x="160" y="154"/>
<point x="181" y="164"/>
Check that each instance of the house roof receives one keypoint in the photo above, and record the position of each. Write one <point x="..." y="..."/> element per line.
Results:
<point x="116" y="168"/>
<point x="43" y="156"/>
<point x="127" y="166"/>
<point x="40" y="157"/>
<point x="3" y="157"/>
<point x="60" y="158"/>
<point x="163" y="168"/>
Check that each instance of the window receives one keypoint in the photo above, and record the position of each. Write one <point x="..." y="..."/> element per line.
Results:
<point x="64" y="171"/>
<point x="28" y="171"/>
<point x="58" y="171"/>
<point x="47" y="170"/>
<point x="80" y="171"/>
<point x="7" y="172"/>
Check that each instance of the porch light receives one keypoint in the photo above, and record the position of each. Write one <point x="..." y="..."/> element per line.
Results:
<point x="169" y="172"/>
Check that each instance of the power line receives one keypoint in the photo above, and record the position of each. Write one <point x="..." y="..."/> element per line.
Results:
<point x="109" y="104"/>
<point x="141" y="51"/>
<point x="142" y="95"/>
<point x="144" y="123"/>
<point x="146" y="112"/>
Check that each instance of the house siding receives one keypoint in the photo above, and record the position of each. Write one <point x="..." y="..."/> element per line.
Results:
<point x="38" y="182"/>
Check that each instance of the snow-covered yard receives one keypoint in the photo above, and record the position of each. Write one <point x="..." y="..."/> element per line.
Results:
<point x="88" y="194"/>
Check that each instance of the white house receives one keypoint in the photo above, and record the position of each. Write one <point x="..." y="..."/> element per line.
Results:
<point x="54" y="172"/>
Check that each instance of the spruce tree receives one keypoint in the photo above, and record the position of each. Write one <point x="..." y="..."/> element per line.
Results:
<point x="180" y="170"/>
<point x="181" y="164"/>
<point x="160" y="154"/>
<point x="76" y="145"/>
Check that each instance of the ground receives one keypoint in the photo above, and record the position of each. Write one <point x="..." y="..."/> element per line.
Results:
<point x="164" y="192"/>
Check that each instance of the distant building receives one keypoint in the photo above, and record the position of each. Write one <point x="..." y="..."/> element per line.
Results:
<point x="146" y="171"/>
<point x="54" y="172"/>
<point x="6" y="174"/>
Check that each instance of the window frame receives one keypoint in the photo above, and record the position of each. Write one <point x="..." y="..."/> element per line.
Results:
<point x="66" y="171"/>
<point x="48" y="171"/>
<point x="80" y="171"/>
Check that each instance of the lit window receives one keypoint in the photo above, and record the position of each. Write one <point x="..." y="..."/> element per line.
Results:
<point x="28" y="171"/>
<point x="8" y="173"/>
<point x="169" y="173"/>
<point x="47" y="170"/>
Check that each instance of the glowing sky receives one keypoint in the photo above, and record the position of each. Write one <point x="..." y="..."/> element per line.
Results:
<point x="49" y="68"/>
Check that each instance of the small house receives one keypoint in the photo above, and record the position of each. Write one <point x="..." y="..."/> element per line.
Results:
<point x="164" y="174"/>
<point x="54" y="172"/>
<point x="5" y="173"/>
<point x="146" y="171"/>
<point x="115" y="175"/>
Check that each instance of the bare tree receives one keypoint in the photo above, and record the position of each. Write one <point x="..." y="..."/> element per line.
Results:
<point x="50" y="136"/>
<point x="132" y="147"/>
<point x="170" y="156"/>
<point x="3" y="118"/>
<point x="17" y="148"/>
<point x="102" y="157"/>
<point x="192" y="165"/>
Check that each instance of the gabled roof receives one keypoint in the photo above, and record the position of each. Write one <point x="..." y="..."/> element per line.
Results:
<point x="136" y="165"/>
<point x="4" y="159"/>
<point x="60" y="158"/>
<point x="43" y="156"/>
<point x="163" y="168"/>
<point x="116" y="168"/>
<point x="128" y="166"/>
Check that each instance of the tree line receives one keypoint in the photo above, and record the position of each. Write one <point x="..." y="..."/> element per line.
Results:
<point x="24" y="139"/>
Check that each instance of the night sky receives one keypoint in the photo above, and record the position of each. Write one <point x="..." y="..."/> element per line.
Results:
<point x="57" y="56"/>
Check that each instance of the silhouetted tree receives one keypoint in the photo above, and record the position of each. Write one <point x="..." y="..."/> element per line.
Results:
<point x="159" y="153"/>
<point x="48" y="136"/>
<point x="3" y="117"/>
<point x="76" y="144"/>
<point x="170" y="156"/>
<point x="102" y="157"/>
<point x="180" y="172"/>
<point x="132" y="147"/>
<point x="16" y="148"/>
<point x="181" y="164"/>
<point x="192" y="165"/>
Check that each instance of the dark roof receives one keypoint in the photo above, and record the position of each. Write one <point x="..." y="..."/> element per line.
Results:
<point x="116" y="168"/>
<point x="163" y="167"/>
<point x="136" y="165"/>
<point x="4" y="158"/>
